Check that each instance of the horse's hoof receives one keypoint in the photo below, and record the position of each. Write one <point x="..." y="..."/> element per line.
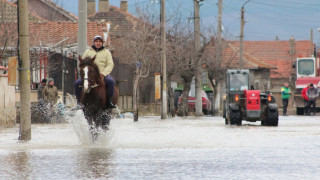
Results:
<point x="105" y="128"/>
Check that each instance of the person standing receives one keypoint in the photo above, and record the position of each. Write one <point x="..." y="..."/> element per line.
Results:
<point x="312" y="94"/>
<point x="40" y="88"/>
<point x="305" y="97"/>
<point x="285" y="95"/>
<point x="50" y="92"/>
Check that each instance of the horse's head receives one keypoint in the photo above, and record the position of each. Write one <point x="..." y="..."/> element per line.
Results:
<point x="89" y="73"/>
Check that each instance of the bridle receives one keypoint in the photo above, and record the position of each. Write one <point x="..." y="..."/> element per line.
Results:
<point x="89" y="87"/>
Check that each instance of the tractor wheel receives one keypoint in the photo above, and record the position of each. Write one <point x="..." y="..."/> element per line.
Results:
<point x="235" y="117"/>
<point x="272" y="118"/>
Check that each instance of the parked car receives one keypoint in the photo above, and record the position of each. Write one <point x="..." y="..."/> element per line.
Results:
<point x="206" y="103"/>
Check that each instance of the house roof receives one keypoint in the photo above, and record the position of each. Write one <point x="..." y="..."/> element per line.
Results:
<point x="48" y="34"/>
<point x="121" y="21"/>
<point x="231" y="58"/>
<point x="277" y="53"/>
<point x="10" y="14"/>
<point x="274" y="55"/>
<point x="54" y="7"/>
<point x="59" y="9"/>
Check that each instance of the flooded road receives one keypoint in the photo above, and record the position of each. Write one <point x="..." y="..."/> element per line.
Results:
<point x="189" y="148"/>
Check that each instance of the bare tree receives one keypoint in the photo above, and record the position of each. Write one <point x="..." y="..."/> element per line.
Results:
<point x="182" y="60"/>
<point x="218" y="57"/>
<point x="181" y="57"/>
<point x="140" y="49"/>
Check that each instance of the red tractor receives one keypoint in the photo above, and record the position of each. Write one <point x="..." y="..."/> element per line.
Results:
<point x="240" y="103"/>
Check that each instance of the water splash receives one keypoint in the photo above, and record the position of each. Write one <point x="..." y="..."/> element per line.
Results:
<point x="44" y="112"/>
<point x="85" y="132"/>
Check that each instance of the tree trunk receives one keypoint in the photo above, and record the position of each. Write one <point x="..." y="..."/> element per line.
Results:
<point x="135" y="96"/>
<point x="183" y="105"/>
<point x="170" y="97"/>
<point x="214" y="87"/>
<point x="198" y="104"/>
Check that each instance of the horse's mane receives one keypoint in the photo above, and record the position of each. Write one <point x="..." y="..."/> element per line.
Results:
<point x="87" y="62"/>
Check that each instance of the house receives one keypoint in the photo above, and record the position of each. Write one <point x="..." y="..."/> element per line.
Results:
<point x="52" y="42"/>
<point x="281" y="54"/>
<point x="270" y="62"/>
<point x="230" y="59"/>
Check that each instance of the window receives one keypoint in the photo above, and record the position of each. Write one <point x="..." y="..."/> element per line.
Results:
<point x="238" y="82"/>
<point x="306" y="67"/>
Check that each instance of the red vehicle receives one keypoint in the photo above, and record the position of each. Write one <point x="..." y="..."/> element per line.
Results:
<point x="307" y="71"/>
<point x="206" y="103"/>
<point x="249" y="105"/>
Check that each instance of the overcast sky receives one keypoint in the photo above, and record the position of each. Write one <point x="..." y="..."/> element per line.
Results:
<point x="265" y="19"/>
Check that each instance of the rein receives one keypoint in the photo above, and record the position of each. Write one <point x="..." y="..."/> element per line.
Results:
<point x="93" y="86"/>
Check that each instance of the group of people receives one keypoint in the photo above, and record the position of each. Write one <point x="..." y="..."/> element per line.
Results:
<point x="47" y="91"/>
<point x="47" y="98"/>
<point x="309" y="94"/>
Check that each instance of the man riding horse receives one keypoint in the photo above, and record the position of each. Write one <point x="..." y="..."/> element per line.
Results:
<point x="105" y="64"/>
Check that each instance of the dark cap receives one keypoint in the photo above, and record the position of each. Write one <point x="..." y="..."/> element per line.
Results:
<point x="311" y="85"/>
<point x="44" y="80"/>
<point x="98" y="37"/>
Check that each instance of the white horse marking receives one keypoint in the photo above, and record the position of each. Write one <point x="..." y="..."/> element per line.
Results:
<point x="85" y="80"/>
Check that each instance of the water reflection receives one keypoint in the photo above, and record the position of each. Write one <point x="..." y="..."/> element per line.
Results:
<point x="19" y="166"/>
<point x="94" y="163"/>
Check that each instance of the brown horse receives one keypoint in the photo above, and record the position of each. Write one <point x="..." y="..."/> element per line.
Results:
<point x="94" y="95"/>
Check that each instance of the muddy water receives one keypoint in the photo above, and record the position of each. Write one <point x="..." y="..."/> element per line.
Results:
<point x="176" y="148"/>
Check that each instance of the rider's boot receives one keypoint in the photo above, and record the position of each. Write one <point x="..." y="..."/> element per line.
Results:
<point x="109" y="103"/>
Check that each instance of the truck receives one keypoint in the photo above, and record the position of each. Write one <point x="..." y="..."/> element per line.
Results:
<point x="307" y="70"/>
<point x="241" y="103"/>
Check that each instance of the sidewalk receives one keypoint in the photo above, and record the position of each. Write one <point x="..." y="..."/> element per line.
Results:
<point x="290" y="111"/>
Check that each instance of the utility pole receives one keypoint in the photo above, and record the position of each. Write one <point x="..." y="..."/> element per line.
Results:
<point x="311" y="43"/>
<point x="218" y="50"/>
<point x="82" y="28"/>
<point x="198" y="73"/>
<point x="164" y="103"/>
<point x="24" y="72"/>
<point x="241" y="34"/>
<point x="219" y="30"/>
<point x="241" y="37"/>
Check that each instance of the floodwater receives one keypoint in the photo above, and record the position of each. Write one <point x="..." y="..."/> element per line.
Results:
<point x="177" y="148"/>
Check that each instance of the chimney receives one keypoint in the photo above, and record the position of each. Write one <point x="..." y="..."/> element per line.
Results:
<point x="104" y="6"/>
<point x="91" y="7"/>
<point x="124" y="6"/>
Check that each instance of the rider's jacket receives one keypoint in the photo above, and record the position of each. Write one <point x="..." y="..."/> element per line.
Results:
<point x="103" y="59"/>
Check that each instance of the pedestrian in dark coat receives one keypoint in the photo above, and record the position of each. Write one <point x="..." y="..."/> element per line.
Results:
<point x="40" y="88"/>
<point x="305" y="97"/>
<point x="312" y="94"/>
